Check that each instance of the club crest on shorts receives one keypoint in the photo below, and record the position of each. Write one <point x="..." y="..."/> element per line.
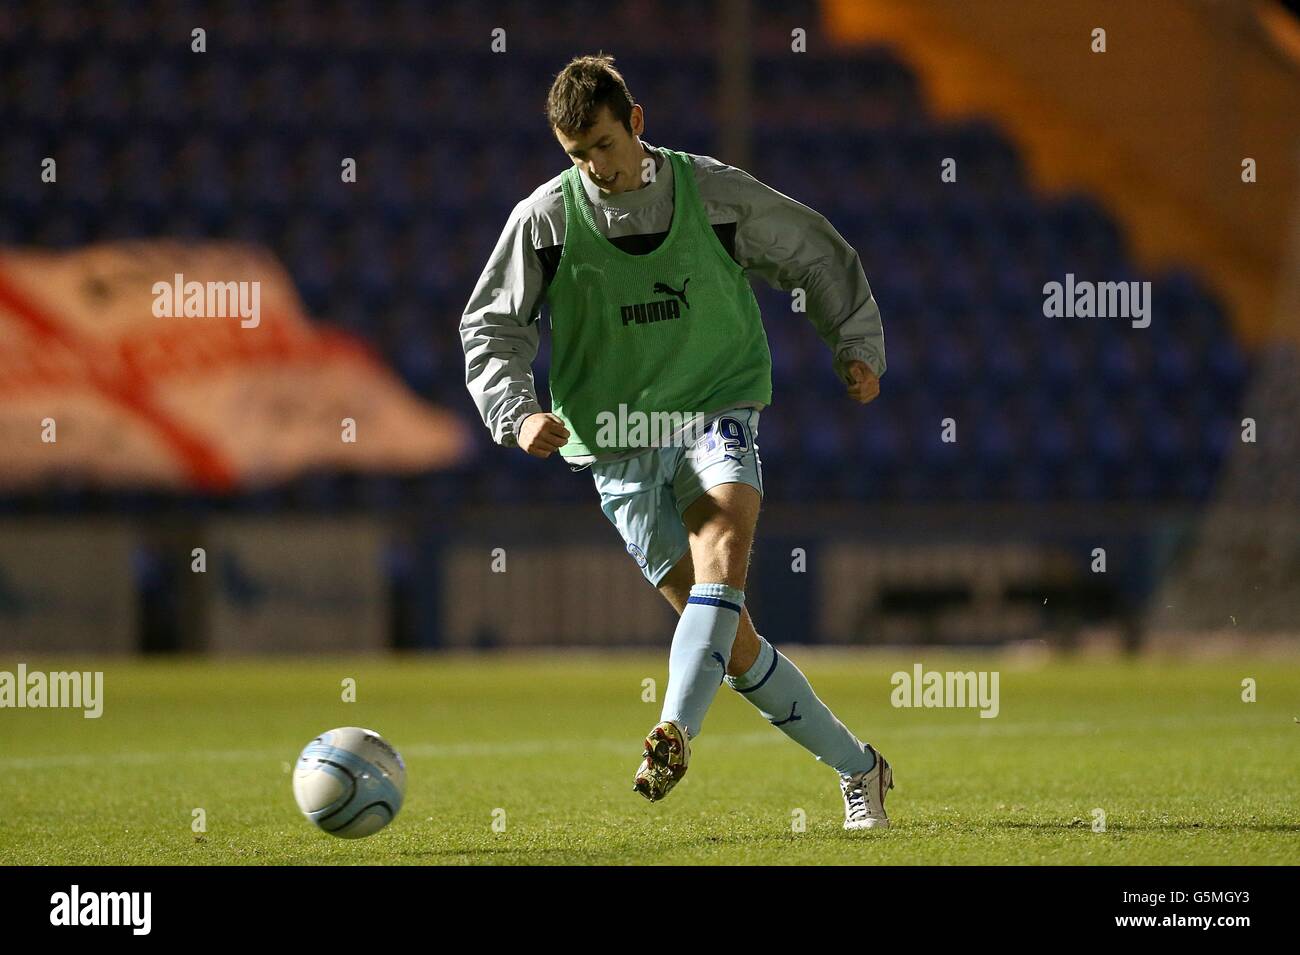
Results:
<point x="637" y="554"/>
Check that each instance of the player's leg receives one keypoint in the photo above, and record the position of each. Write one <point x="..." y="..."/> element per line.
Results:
<point x="717" y="490"/>
<point x="667" y="747"/>
<point x="780" y="691"/>
<point x="752" y="658"/>
<point x="721" y="523"/>
<point x="636" y="497"/>
<point x="825" y="737"/>
<point x="721" y="528"/>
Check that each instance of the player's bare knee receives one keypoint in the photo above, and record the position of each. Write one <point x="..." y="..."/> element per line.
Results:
<point x="721" y="565"/>
<point x="721" y="555"/>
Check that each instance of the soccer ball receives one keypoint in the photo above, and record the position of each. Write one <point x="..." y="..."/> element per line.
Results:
<point x="349" y="782"/>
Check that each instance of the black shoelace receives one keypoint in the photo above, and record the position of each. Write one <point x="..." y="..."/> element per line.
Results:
<point x="857" y="801"/>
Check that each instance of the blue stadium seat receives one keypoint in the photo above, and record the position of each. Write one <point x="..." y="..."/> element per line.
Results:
<point x="245" y="142"/>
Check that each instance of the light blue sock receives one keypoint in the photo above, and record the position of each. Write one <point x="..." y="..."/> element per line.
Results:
<point x="701" y="648"/>
<point x="787" y="701"/>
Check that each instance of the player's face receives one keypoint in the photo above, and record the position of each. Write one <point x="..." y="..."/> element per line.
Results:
<point x="609" y="155"/>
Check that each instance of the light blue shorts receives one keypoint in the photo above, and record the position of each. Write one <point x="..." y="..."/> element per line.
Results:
<point x="645" y="496"/>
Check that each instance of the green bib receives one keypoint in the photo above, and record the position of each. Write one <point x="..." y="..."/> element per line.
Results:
<point x="674" y="331"/>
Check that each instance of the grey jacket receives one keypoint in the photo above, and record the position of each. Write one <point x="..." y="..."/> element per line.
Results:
<point x="786" y="243"/>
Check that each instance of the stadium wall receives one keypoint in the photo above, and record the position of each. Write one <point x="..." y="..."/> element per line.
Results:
<point x="557" y="576"/>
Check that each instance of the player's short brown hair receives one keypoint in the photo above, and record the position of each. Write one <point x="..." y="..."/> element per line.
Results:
<point x="581" y="89"/>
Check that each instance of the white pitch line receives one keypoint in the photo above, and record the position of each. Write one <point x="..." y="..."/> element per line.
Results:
<point x="992" y="729"/>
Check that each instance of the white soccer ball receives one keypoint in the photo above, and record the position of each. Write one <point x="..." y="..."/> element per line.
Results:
<point x="349" y="782"/>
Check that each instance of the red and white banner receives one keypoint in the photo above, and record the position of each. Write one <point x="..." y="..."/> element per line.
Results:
<point x="121" y="364"/>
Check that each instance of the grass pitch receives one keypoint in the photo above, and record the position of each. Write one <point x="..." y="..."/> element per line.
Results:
<point x="1184" y="770"/>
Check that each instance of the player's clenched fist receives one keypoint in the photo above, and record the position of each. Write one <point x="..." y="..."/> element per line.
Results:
<point x="542" y="434"/>
<point x="862" y="381"/>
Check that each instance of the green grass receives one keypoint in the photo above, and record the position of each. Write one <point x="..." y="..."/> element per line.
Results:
<point x="1185" y="771"/>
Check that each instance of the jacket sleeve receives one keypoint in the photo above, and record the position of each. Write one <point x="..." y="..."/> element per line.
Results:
<point x="499" y="332"/>
<point x="791" y="246"/>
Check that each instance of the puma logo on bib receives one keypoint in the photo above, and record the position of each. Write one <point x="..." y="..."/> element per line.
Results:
<point x="667" y="289"/>
<point x="658" y="311"/>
